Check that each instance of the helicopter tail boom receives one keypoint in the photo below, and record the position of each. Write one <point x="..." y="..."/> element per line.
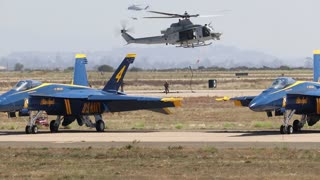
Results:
<point x="147" y="40"/>
<point x="127" y="37"/>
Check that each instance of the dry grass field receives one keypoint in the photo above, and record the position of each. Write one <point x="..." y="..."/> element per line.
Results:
<point x="175" y="162"/>
<point x="153" y="80"/>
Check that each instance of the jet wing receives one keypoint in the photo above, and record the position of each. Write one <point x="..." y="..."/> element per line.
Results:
<point x="243" y="100"/>
<point x="82" y="104"/>
<point x="129" y="103"/>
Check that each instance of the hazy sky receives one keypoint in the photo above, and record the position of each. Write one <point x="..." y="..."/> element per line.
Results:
<point x="284" y="28"/>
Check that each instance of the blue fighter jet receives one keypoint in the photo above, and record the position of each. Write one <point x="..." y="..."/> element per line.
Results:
<point x="78" y="101"/>
<point x="15" y="101"/>
<point x="287" y="97"/>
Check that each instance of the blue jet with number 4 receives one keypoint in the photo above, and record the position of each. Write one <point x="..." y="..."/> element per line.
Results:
<point x="287" y="97"/>
<point x="77" y="101"/>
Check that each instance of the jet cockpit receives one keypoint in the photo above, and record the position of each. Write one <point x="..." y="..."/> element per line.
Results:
<point x="282" y="82"/>
<point x="26" y="84"/>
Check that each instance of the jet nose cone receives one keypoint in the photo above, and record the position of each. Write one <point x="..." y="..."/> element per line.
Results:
<point x="254" y="106"/>
<point x="259" y="104"/>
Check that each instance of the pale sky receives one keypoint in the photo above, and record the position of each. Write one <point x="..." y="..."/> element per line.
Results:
<point x="283" y="28"/>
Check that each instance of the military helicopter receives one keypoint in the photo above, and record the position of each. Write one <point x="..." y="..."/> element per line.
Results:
<point x="182" y="34"/>
<point x="136" y="7"/>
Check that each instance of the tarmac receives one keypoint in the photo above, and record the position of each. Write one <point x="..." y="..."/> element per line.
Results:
<point x="197" y="93"/>
<point x="162" y="139"/>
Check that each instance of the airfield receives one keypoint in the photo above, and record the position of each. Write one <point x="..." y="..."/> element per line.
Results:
<point x="201" y="119"/>
<point x="202" y="139"/>
<point x="218" y="138"/>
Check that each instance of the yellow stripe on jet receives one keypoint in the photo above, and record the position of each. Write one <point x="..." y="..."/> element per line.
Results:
<point x="80" y="56"/>
<point x="316" y="52"/>
<point x="176" y="101"/>
<point x="225" y="98"/>
<point x="131" y="55"/>
<point x="167" y="111"/>
<point x="68" y="107"/>
<point x="237" y="103"/>
<point x="292" y="85"/>
<point x="48" y="84"/>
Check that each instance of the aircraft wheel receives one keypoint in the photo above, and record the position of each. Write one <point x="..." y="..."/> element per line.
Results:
<point x="282" y="129"/>
<point x="34" y="129"/>
<point x="100" y="126"/>
<point x="28" y="130"/>
<point x="296" y="125"/>
<point x="53" y="127"/>
<point x="289" y="129"/>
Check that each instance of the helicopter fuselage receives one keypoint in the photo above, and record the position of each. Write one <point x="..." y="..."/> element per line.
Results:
<point x="184" y="34"/>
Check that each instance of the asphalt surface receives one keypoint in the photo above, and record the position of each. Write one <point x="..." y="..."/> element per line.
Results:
<point x="162" y="139"/>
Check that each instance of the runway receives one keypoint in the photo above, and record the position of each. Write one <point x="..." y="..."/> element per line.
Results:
<point x="162" y="139"/>
<point x="198" y="93"/>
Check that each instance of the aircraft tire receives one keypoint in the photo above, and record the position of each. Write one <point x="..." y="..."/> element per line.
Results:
<point x="100" y="126"/>
<point x="282" y="129"/>
<point x="34" y="129"/>
<point x="27" y="129"/>
<point x="289" y="129"/>
<point x="53" y="128"/>
<point x="296" y="125"/>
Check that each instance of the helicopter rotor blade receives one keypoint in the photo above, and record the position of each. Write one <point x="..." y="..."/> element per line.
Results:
<point x="208" y="16"/>
<point x="163" y="13"/>
<point x="164" y="17"/>
<point x="185" y="15"/>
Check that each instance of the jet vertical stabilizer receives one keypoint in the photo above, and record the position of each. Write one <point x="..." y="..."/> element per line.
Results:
<point x="316" y="65"/>
<point x="117" y="77"/>
<point x="80" y="73"/>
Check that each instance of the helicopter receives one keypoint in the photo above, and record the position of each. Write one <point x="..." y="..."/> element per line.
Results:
<point x="182" y="34"/>
<point x="136" y="7"/>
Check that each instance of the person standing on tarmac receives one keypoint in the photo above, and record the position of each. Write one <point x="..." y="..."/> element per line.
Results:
<point x="166" y="87"/>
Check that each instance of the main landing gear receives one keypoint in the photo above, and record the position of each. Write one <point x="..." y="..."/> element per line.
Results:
<point x="298" y="125"/>
<point x="295" y="127"/>
<point x="32" y="127"/>
<point x="100" y="126"/>
<point x="54" y="125"/>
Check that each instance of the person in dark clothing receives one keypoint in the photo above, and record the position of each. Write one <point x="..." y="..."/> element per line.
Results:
<point x="166" y="87"/>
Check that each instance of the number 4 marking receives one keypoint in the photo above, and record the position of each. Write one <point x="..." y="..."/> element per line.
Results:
<point x="119" y="75"/>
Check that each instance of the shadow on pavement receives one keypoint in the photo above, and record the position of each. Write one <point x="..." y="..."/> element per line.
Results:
<point x="14" y="132"/>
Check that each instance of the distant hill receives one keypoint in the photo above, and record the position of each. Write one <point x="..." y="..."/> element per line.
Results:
<point x="155" y="57"/>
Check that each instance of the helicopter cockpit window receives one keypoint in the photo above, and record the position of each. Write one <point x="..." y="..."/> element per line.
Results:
<point x="205" y="31"/>
<point x="282" y="82"/>
<point x="25" y="85"/>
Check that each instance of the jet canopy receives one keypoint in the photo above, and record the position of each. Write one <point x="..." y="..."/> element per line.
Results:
<point x="282" y="82"/>
<point x="26" y="84"/>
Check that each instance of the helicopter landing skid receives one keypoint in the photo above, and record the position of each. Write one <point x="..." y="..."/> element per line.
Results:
<point x="194" y="45"/>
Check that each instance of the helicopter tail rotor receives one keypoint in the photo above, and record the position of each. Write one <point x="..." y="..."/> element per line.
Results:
<point x="124" y="32"/>
<point x="127" y="37"/>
